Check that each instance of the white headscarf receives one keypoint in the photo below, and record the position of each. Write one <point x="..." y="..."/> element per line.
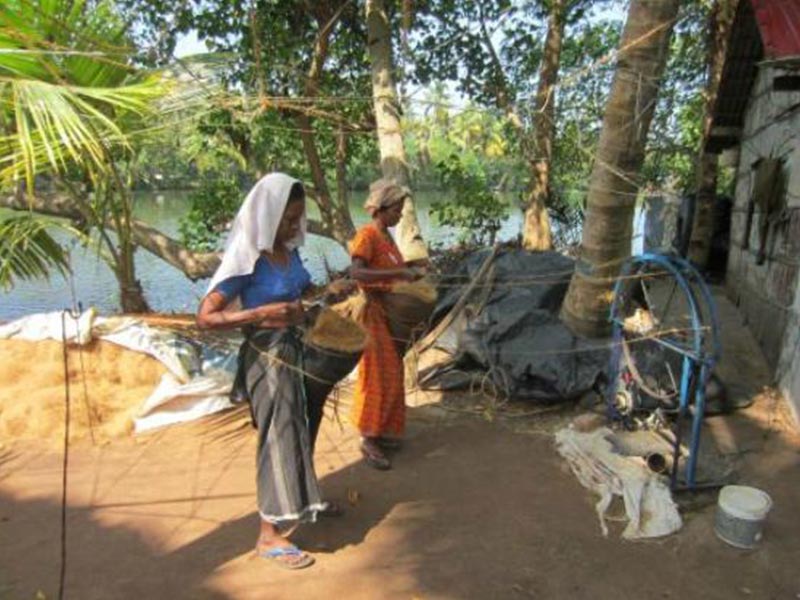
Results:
<point x="255" y="226"/>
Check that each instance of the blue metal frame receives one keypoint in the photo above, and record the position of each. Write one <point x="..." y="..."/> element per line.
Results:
<point x="697" y="360"/>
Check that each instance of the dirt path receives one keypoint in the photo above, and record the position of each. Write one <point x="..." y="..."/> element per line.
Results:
<point x="472" y="509"/>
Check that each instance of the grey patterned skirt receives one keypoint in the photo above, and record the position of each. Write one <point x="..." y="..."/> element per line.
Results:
<point x="287" y="421"/>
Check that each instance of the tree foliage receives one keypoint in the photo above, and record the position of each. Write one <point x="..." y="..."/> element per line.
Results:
<point x="66" y="86"/>
<point x="675" y="131"/>
<point x="286" y="86"/>
<point x="476" y="211"/>
<point x="29" y="251"/>
<point x="213" y="206"/>
<point x="490" y="52"/>
<point x="480" y="138"/>
<point x="71" y="106"/>
<point x="296" y="78"/>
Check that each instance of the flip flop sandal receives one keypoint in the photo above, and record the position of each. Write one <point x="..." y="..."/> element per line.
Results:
<point x="376" y="461"/>
<point x="331" y="509"/>
<point x="285" y="556"/>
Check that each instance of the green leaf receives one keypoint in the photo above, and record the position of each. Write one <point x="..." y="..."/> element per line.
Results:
<point x="29" y="251"/>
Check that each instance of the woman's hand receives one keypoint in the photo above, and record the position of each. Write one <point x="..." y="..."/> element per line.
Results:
<point x="281" y="314"/>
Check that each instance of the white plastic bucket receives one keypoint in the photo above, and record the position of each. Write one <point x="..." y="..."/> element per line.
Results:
<point x="741" y="511"/>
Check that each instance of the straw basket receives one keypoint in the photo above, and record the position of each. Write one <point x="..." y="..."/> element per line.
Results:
<point x="332" y="347"/>
<point x="407" y="306"/>
<point x="353" y="307"/>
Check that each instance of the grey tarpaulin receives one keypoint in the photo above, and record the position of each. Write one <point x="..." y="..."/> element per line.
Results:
<point x="509" y="337"/>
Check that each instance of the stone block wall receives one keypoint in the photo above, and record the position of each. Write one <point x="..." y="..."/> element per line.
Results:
<point x="768" y="294"/>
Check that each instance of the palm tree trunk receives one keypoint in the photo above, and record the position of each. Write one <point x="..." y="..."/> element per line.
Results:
<point x="536" y="233"/>
<point x="131" y="294"/>
<point x="606" y="241"/>
<point x="394" y="164"/>
<point x="706" y="180"/>
<point x="703" y="218"/>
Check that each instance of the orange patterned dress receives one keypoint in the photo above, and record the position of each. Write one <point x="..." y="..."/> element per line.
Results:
<point x="379" y="408"/>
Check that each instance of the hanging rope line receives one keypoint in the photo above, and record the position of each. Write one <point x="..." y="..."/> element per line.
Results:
<point x="77" y="309"/>
<point x="74" y="314"/>
<point x="65" y="460"/>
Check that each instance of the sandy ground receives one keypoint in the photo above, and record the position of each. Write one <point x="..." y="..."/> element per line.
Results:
<point x="472" y="509"/>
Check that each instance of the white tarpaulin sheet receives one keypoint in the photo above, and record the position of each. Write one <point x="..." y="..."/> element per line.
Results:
<point x="195" y="386"/>
<point x="649" y="507"/>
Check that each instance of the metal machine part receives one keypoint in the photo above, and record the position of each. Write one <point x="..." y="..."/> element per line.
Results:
<point x="666" y="342"/>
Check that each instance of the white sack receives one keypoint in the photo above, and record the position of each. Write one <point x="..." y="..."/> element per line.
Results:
<point x="649" y="507"/>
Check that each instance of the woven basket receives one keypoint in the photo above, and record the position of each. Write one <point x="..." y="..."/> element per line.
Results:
<point x="408" y="305"/>
<point x="352" y="308"/>
<point x="332" y="347"/>
<point x="333" y="331"/>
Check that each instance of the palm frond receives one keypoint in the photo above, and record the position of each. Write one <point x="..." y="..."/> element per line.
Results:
<point x="56" y="124"/>
<point x="29" y="251"/>
<point x="69" y="93"/>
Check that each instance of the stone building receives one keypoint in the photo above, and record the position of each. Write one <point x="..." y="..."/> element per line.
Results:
<point x="757" y="123"/>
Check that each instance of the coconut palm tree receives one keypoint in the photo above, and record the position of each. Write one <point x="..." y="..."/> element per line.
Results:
<point x="71" y="105"/>
<point x="613" y="187"/>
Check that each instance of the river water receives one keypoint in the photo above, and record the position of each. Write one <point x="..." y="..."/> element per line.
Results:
<point x="168" y="289"/>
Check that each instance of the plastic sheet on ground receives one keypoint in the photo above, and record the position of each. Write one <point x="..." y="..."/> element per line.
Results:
<point x="174" y="402"/>
<point x="199" y="378"/>
<point x="52" y="326"/>
<point x="509" y="338"/>
<point x="648" y="502"/>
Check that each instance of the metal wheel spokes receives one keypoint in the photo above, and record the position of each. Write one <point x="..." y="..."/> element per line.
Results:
<point x="662" y="315"/>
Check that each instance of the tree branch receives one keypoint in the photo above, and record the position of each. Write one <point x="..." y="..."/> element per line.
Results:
<point x="503" y="95"/>
<point x="195" y="265"/>
<point x="340" y="226"/>
<point x="291" y="105"/>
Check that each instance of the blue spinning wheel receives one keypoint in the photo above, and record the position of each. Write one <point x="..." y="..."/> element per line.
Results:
<point x="666" y="342"/>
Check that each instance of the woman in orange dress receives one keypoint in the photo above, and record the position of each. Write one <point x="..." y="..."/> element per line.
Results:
<point x="379" y="405"/>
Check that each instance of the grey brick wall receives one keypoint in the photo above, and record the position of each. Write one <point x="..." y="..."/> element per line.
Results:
<point x="768" y="294"/>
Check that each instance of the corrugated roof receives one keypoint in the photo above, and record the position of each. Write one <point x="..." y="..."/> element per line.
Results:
<point x="779" y="25"/>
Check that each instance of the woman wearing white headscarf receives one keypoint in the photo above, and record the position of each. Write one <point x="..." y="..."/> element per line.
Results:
<point x="258" y="287"/>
